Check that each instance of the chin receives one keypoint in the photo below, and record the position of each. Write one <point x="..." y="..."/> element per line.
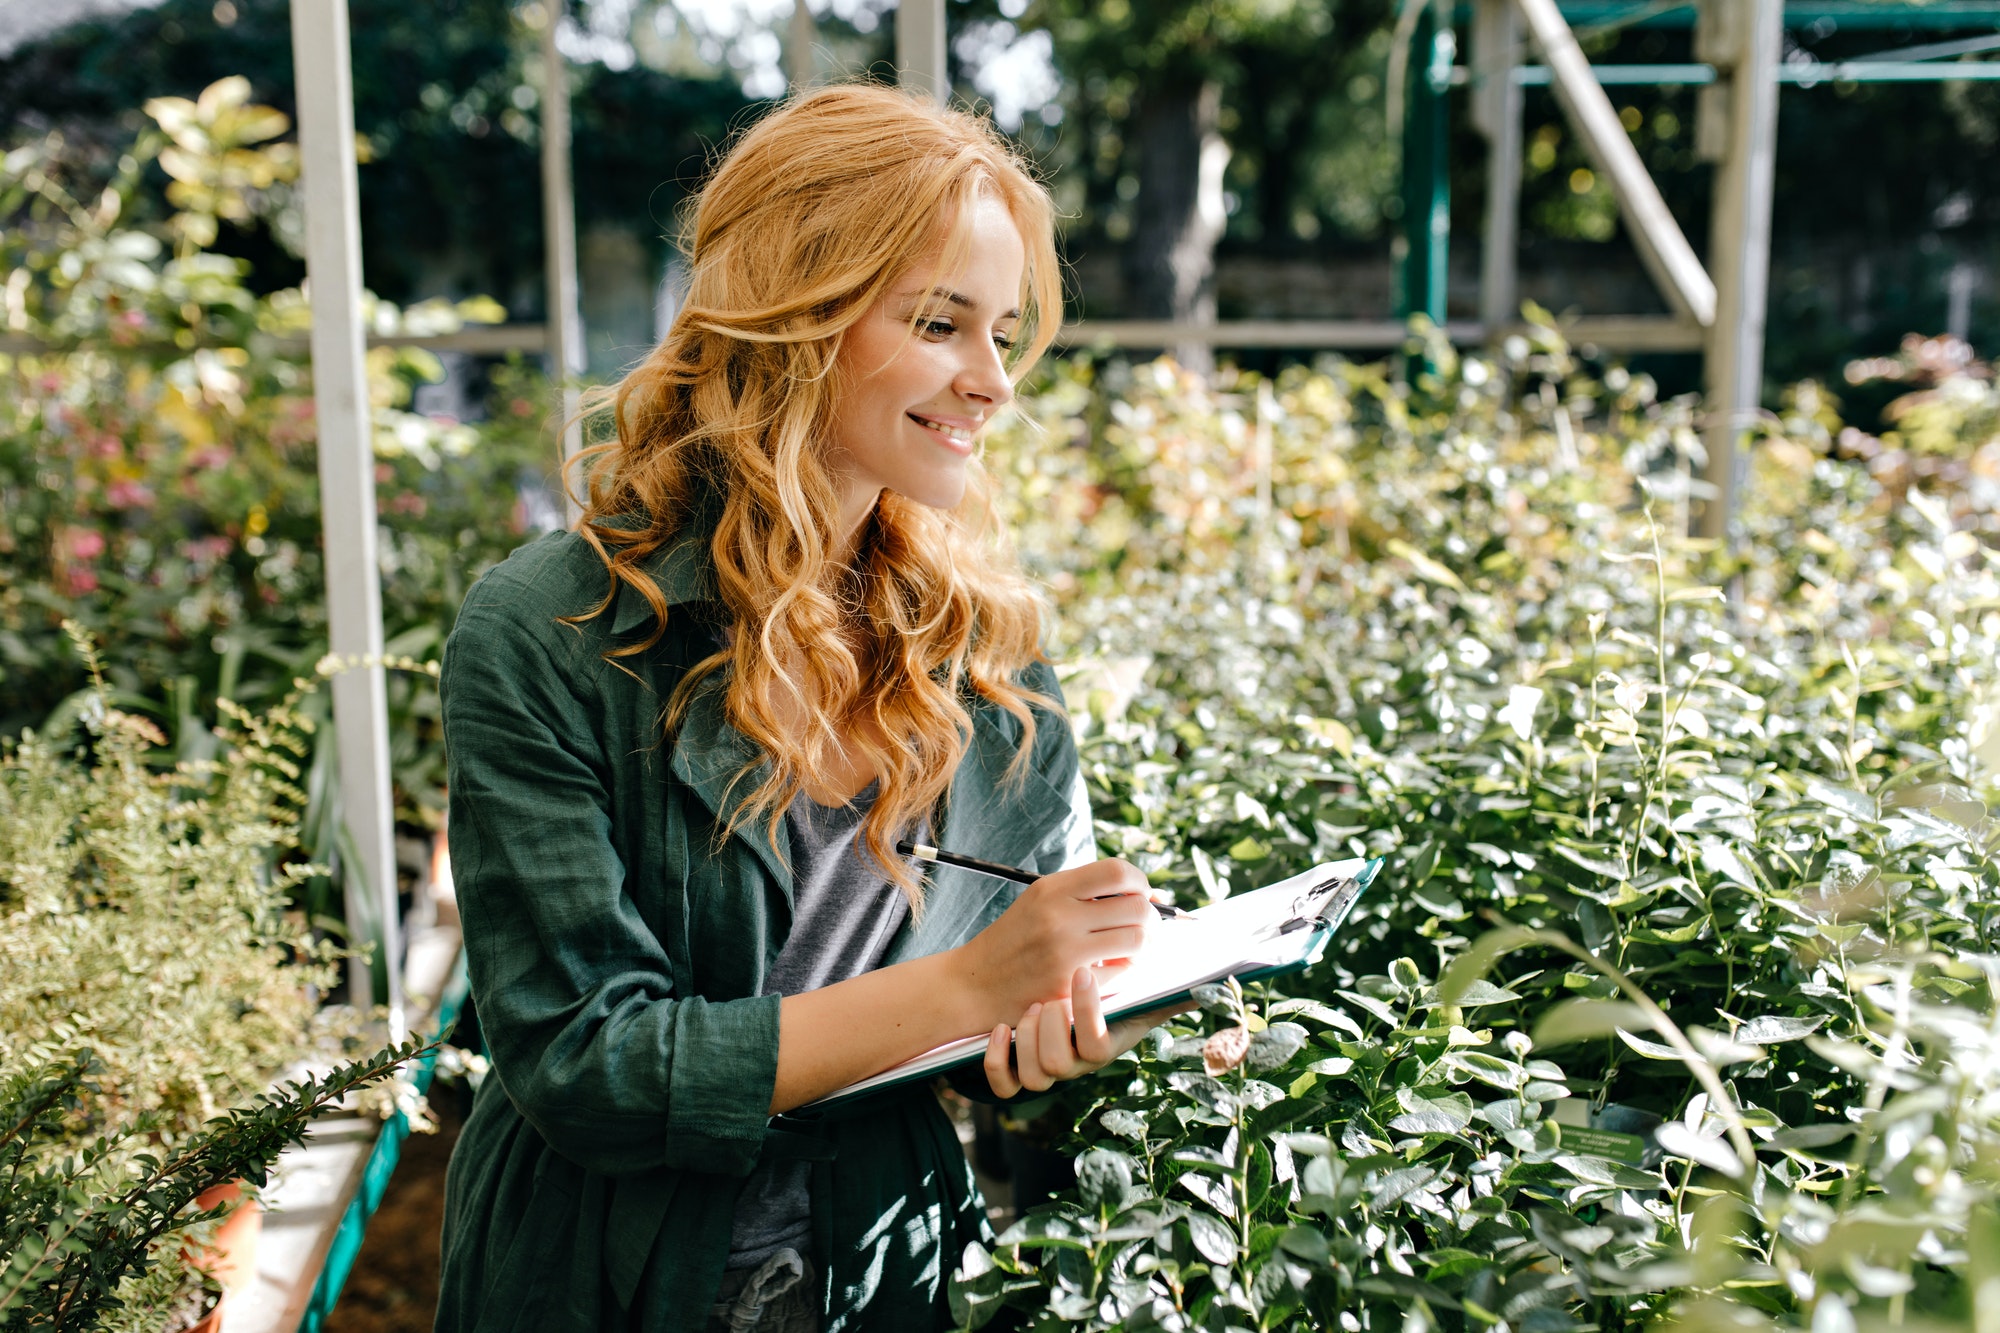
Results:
<point x="940" y="493"/>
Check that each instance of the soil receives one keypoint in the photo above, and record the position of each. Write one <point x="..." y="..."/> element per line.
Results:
<point x="394" y="1284"/>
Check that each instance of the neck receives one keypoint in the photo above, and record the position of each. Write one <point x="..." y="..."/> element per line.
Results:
<point x="857" y="508"/>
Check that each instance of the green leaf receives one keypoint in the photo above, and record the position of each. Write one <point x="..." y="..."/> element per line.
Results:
<point x="1217" y="999"/>
<point x="1439" y="1114"/>
<point x="1591" y="857"/>
<point x="1597" y="1171"/>
<point x="1812" y="1136"/>
<point x="1373" y="1006"/>
<point x="1307" y="1244"/>
<point x="1726" y="861"/>
<point x="1427" y="569"/>
<point x="1677" y="1139"/>
<point x="1044" y="1230"/>
<point x="1448" y="1264"/>
<point x="1476" y="961"/>
<point x="1125" y="1124"/>
<point x="1313" y="1009"/>
<point x="1580" y="1020"/>
<point x="1104" y="1179"/>
<point x="1767" y="1029"/>
<point x="1488" y="1069"/>
<point x="1396" y="1186"/>
<point x="1854" y="804"/>
<point x="1476" y="994"/>
<point x="1652" y="1050"/>
<point x="1211" y="1239"/>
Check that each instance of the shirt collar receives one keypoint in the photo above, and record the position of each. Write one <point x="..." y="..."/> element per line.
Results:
<point x="684" y="572"/>
<point x="683" y="569"/>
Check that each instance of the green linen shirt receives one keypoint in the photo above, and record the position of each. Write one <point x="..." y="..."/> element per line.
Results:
<point x="617" y="953"/>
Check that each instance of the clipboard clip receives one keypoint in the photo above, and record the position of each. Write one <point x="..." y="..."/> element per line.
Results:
<point x="1321" y="906"/>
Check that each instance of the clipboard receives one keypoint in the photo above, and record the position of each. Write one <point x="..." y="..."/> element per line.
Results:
<point x="1268" y="932"/>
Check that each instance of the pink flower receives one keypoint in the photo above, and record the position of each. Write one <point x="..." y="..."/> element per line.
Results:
<point x="211" y="457"/>
<point x="126" y="494"/>
<point x="81" y="581"/>
<point x="107" y="446"/>
<point x="85" y="544"/>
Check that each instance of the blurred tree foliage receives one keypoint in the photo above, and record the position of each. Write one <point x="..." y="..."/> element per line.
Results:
<point x="1191" y="119"/>
<point x="446" y="95"/>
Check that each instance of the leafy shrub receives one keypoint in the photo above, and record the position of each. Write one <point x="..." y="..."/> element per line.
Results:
<point x="93" y="1230"/>
<point x="1721" y="808"/>
<point x="144" y="913"/>
<point x="158" y="479"/>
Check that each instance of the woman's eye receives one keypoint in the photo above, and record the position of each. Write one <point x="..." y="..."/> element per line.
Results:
<point x="1003" y="342"/>
<point x="939" y="328"/>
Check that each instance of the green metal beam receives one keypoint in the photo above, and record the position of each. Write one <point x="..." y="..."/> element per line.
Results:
<point x="1804" y="76"/>
<point x="1940" y="15"/>
<point x="1426" y="182"/>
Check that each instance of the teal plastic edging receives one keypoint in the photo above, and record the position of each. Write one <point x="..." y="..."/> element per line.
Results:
<point x="382" y="1161"/>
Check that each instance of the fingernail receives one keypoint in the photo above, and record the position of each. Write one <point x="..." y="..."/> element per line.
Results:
<point x="1033" y="1010"/>
<point x="1085" y="978"/>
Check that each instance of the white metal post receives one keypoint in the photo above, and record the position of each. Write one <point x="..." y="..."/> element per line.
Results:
<point x="1661" y="245"/>
<point x="1496" y="113"/>
<point x="325" y="90"/>
<point x="800" y="64"/>
<point x="565" y="321"/>
<point x="1746" y="45"/>
<point x="920" y="55"/>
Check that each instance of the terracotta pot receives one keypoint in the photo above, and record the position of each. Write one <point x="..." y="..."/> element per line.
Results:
<point x="232" y="1258"/>
<point x="212" y="1321"/>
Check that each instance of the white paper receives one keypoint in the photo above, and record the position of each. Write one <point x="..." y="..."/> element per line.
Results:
<point x="1239" y="934"/>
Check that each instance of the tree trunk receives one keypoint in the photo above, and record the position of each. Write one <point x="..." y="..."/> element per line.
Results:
<point x="1179" y="213"/>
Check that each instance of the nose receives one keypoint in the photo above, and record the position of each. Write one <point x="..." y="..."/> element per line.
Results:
<point x="983" y="376"/>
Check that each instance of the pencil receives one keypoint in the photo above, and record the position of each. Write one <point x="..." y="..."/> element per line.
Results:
<point x="995" y="869"/>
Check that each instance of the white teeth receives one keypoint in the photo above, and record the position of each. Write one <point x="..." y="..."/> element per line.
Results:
<point x="955" y="432"/>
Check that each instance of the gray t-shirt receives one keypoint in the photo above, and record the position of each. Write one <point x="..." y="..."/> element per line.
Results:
<point x="845" y="912"/>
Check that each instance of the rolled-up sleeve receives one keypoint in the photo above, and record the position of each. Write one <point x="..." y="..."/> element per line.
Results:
<point x="1079" y="830"/>
<point x="575" y="991"/>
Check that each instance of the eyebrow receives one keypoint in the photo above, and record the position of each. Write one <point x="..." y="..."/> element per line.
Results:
<point x="962" y="301"/>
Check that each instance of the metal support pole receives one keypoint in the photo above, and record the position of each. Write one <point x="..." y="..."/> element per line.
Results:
<point x="325" y="90"/>
<point x="1748" y="35"/>
<point x="920" y="54"/>
<point x="565" y="322"/>
<point x="1426" y="184"/>
<point x="1664" y="250"/>
<point x="801" y="66"/>
<point x="1496" y="113"/>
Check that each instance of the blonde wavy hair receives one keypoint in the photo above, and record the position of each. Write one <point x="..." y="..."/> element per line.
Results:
<point x="812" y="216"/>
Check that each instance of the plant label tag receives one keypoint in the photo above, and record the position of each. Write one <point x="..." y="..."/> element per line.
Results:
<point x="1604" y="1143"/>
<point x="1578" y="1135"/>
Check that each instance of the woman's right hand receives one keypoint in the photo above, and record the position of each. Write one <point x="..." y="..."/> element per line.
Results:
<point x="1093" y="916"/>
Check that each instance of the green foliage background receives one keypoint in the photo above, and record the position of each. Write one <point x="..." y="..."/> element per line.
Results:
<point x="1693" y="840"/>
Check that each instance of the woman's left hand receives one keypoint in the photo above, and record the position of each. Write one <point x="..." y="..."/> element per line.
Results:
<point x="1063" y="1039"/>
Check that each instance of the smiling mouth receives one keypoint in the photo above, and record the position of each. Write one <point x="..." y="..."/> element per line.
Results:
<point x="959" y="433"/>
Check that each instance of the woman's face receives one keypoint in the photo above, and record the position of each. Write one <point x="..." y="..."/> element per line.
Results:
<point x="914" y="406"/>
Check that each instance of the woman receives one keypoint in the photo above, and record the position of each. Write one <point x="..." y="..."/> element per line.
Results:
<point x="686" y="737"/>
